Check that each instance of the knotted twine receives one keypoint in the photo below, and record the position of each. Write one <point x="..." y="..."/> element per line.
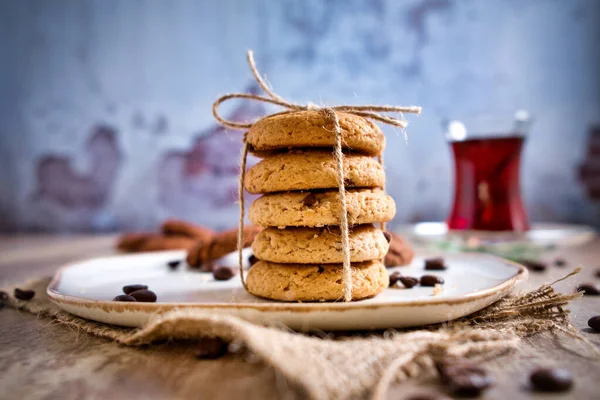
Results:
<point x="371" y="112"/>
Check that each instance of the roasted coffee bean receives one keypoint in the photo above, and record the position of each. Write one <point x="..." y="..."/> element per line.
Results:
<point x="309" y="200"/>
<point x="24" y="294"/>
<point x="144" y="296"/>
<point x="408" y="281"/>
<point x="594" y="323"/>
<point x="174" y="264"/>
<point x="132" y="288"/>
<point x="388" y="237"/>
<point x="394" y="276"/>
<point x="551" y="379"/>
<point x="124" y="297"/>
<point x="223" y="273"/>
<point x="589" y="289"/>
<point x="598" y="273"/>
<point x="435" y="264"/>
<point x="431" y="280"/>
<point x="535" y="266"/>
<point x="211" y="348"/>
<point x="252" y="259"/>
<point x="465" y="379"/>
<point x="560" y="262"/>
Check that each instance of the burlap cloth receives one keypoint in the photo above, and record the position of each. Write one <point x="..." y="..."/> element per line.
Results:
<point x="342" y="366"/>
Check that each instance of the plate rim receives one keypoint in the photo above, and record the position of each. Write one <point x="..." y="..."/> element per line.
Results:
<point x="56" y="297"/>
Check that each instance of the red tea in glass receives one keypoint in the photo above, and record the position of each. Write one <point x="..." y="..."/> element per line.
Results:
<point x="487" y="190"/>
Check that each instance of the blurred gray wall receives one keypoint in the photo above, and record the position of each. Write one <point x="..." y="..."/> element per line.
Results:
<point x="105" y="118"/>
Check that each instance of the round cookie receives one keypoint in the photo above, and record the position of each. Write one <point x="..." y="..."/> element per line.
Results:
<point x="319" y="245"/>
<point x="400" y="252"/>
<point x="202" y="253"/>
<point x="300" y="170"/>
<point x="311" y="128"/>
<point x="315" y="282"/>
<point x="316" y="209"/>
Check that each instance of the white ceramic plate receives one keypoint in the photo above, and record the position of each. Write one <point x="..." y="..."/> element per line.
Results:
<point x="472" y="282"/>
<point x="540" y="234"/>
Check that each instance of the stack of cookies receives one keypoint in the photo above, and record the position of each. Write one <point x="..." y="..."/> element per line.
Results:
<point x="300" y="249"/>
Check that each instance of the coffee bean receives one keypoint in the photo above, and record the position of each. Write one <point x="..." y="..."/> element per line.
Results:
<point x="223" y="273"/>
<point x="174" y="264"/>
<point x="408" y="281"/>
<point x="132" y="288"/>
<point x="394" y="276"/>
<point x="560" y="262"/>
<point x="598" y="273"/>
<point x="431" y="280"/>
<point x="594" y="323"/>
<point x="24" y="294"/>
<point x="551" y="379"/>
<point x="309" y="200"/>
<point x="253" y="259"/>
<point x="388" y="237"/>
<point x="124" y="297"/>
<point x="465" y="379"/>
<point x="534" y="266"/>
<point x="428" y="396"/>
<point x="3" y="297"/>
<point x="144" y="296"/>
<point x="589" y="289"/>
<point x="211" y="348"/>
<point x="435" y="264"/>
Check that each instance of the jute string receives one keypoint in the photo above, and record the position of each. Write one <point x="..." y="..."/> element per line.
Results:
<point x="366" y="111"/>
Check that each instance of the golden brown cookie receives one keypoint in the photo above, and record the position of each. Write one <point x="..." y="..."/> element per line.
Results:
<point x="313" y="129"/>
<point x="400" y="252"/>
<point x="300" y="170"/>
<point x="316" y="209"/>
<point x="221" y="244"/>
<point x="319" y="245"/>
<point x="178" y="227"/>
<point x="315" y="282"/>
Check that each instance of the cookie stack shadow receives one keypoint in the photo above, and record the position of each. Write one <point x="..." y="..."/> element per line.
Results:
<point x="300" y="250"/>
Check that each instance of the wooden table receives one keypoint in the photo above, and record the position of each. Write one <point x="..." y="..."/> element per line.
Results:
<point x="41" y="360"/>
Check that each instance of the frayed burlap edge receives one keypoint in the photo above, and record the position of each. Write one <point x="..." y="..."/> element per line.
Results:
<point x="347" y="367"/>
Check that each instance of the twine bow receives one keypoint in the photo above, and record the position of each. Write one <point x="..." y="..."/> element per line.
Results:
<point x="371" y="112"/>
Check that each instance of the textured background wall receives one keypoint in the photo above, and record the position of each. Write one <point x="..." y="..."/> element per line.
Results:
<point x="105" y="105"/>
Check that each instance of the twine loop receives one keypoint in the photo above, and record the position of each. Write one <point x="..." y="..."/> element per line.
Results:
<point x="372" y="112"/>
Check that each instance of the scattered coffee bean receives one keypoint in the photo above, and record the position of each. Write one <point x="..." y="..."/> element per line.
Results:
<point x="465" y="379"/>
<point x="435" y="264"/>
<point x="211" y="348"/>
<point x="408" y="281"/>
<point x="132" y="288"/>
<point x="144" y="296"/>
<point x="124" y="297"/>
<point x="535" y="266"/>
<point x="594" y="323"/>
<point x="252" y="259"/>
<point x="428" y="396"/>
<point x="589" y="289"/>
<point x="431" y="280"/>
<point x="24" y="294"/>
<point x="174" y="264"/>
<point x="551" y="379"/>
<point x="560" y="262"/>
<point x="598" y="273"/>
<point x="309" y="200"/>
<point x="388" y="237"/>
<point x="394" y="276"/>
<point x="223" y="273"/>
